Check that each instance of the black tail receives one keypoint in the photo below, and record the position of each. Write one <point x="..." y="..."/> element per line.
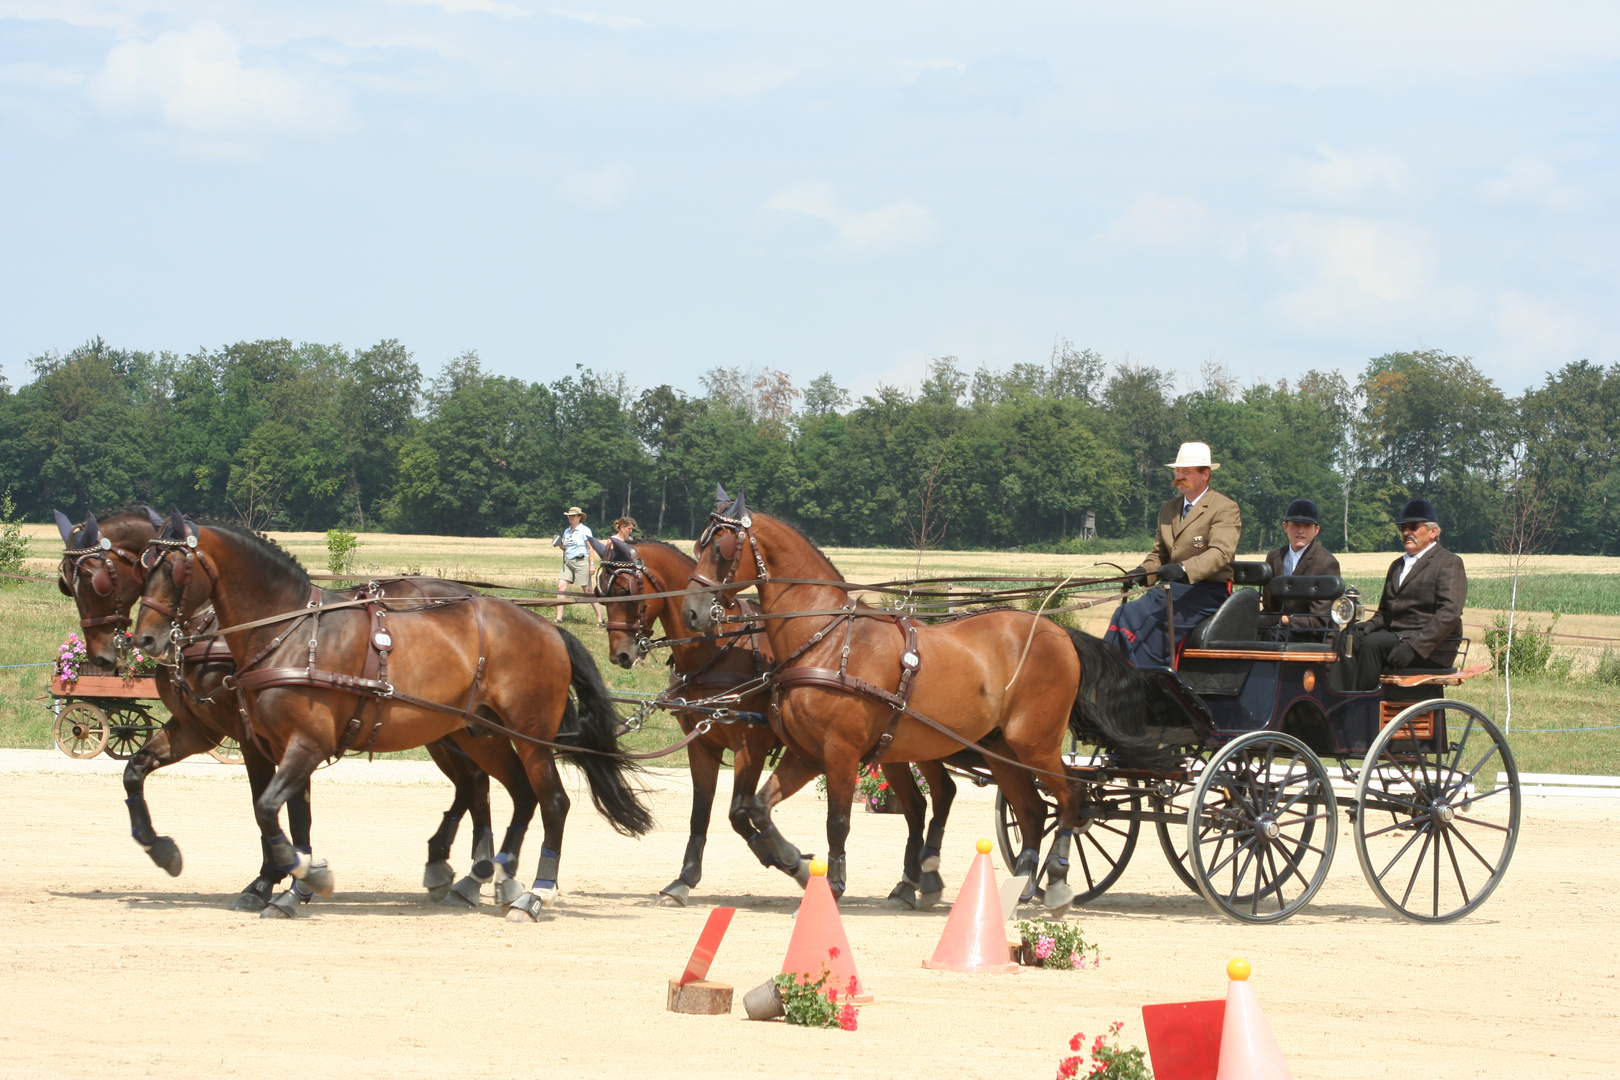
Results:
<point x="1118" y="707"/>
<point x="606" y="770"/>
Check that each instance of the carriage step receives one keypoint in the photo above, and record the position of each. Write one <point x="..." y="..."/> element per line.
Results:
<point x="1557" y="784"/>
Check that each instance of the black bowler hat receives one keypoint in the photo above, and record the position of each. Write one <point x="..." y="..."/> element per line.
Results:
<point x="1304" y="512"/>
<point x="1418" y="511"/>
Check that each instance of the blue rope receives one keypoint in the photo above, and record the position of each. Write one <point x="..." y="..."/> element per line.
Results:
<point x="1541" y="730"/>
<point x="48" y="663"/>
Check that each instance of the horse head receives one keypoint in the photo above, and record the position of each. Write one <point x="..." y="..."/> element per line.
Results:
<point x="99" y="570"/>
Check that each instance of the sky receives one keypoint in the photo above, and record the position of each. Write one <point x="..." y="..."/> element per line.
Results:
<point x="658" y="189"/>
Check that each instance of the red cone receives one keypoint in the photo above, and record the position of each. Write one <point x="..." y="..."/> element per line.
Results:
<point x="975" y="937"/>
<point x="818" y="940"/>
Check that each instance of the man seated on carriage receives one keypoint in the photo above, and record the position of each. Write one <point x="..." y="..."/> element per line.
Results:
<point x="1197" y="537"/>
<point x="1302" y="556"/>
<point x="1418" y="623"/>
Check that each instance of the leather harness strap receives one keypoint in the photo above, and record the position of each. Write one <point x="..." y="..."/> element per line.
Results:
<point x="842" y="680"/>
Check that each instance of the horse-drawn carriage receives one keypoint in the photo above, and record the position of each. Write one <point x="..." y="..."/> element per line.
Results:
<point x="109" y="713"/>
<point x="1249" y="818"/>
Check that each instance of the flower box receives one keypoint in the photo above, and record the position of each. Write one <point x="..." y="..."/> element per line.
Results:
<point x="111" y="686"/>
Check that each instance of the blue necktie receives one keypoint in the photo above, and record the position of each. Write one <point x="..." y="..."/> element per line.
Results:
<point x="1185" y="506"/>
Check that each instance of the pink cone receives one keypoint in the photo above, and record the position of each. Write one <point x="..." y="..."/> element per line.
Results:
<point x="1249" y="1050"/>
<point x="818" y="938"/>
<point x="975" y="937"/>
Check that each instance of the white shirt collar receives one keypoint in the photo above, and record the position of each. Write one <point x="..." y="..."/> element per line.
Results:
<point x="1291" y="558"/>
<point x="1187" y="504"/>
<point x="1409" y="561"/>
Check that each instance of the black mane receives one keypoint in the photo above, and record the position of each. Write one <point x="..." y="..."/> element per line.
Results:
<point x="271" y="555"/>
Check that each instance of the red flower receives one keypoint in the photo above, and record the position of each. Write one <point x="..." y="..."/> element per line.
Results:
<point x="1078" y="1040"/>
<point x="833" y="952"/>
<point x="847" y="1017"/>
<point x="884" y="786"/>
<point x="854" y="985"/>
<point x="1068" y="1067"/>
<point x="832" y="994"/>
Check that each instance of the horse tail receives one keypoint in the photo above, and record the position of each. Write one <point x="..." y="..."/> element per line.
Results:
<point x="606" y="771"/>
<point x="1118" y="707"/>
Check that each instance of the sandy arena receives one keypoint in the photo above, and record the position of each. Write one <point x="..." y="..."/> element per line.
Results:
<point x="112" y="968"/>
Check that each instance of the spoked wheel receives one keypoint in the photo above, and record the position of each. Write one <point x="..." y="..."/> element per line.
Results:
<point x="1261" y="829"/>
<point x="1173" y="837"/>
<point x="81" y="730"/>
<point x="228" y="752"/>
<point x="1432" y="844"/>
<point x="130" y="727"/>
<point x="1102" y="846"/>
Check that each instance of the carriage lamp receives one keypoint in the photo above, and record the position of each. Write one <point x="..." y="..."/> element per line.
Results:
<point x="1347" y="608"/>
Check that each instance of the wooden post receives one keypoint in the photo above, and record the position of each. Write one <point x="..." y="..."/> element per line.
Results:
<point x="701" y="997"/>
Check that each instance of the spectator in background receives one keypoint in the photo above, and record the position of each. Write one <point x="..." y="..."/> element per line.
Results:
<point x="576" y="552"/>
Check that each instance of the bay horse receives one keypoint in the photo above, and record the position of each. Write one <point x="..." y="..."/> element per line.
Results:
<point x="856" y="683"/>
<point x="707" y="665"/>
<point x="104" y="580"/>
<point x="381" y="676"/>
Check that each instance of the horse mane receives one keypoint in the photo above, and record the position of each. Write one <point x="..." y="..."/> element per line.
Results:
<point x="271" y="556"/>
<point x="837" y="574"/>
<point x="647" y="542"/>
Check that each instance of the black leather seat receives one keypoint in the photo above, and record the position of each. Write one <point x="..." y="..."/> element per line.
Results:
<point x="1236" y="624"/>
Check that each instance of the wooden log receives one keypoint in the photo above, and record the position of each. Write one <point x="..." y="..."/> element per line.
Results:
<point x="701" y="997"/>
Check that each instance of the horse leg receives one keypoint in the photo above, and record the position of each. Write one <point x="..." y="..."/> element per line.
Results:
<point x="311" y="876"/>
<point x="751" y="817"/>
<point x="495" y="759"/>
<point x="1047" y="756"/>
<point x="704" y="763"/>
<point x="942" y="792"/>
<point x="1029" y="810"/>
<point x="903" y="786"/>
<point x="548" y="787"/>
<point x="438" y="874"/>
<point x="472" y="793"/>
<point x="172" y="742"/>
<point x="260" y="771"/>
<point x="843" y="774"/>
<point x="299" y="819"/>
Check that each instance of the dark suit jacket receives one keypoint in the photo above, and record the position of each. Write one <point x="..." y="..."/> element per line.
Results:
<point x="1428" y="608"/>
<point x="1204" y="542"/>
<point x="1314" y="561"/>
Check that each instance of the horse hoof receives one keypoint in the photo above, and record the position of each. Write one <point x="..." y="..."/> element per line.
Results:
<point x="1058" y="895"/>
<point x="464" y="895"/>
<point x="929" y="899"/>
<point x="318" y="878"/>
<point x="166" y="853"/>
<point x="248" y="900"/>
<point x="437" y="877"/>
<point x="283" y="905"/>
<point x="801" y="872"/>
<point x="525" y="908"/>
<point x="903" y="898"/>
<point x="507" y="891"/>
<point x="675" y="895"/>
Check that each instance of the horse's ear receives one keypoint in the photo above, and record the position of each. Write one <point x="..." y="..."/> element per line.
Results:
<point x="65" y="527"/>
<point x="622" y="552"/>
<point x="154" y="517"/>
<point x="721" y="499"/>
<point x="175" y="528"/>
<point x="738" y="510"/>
<point x="597" y="546"/>
<point x="91" y="533"/>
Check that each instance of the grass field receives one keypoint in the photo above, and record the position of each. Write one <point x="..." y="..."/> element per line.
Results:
<point x="37" y="617"/>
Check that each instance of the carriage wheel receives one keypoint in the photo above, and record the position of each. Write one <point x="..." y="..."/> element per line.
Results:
<point x="1431" y="844"/>
<point x="228" y="752"/>
<point x="1173" y="837"/>
<point x="81" y="730"/>
<point x="130" y="727"/>
<point x="1250" y="828"/>
<point x="1101" y="849"/>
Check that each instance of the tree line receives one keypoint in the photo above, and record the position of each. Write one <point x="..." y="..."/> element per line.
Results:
<point x="311" y="437"/>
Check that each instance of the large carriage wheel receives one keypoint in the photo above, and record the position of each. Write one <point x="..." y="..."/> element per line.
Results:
<point x="1173" y="837"/>
<point x="81" y="730"/>
<point x="1255" y="812"/>
<point x="228" y="752"/>
<point x="1432" y="844"/>
<point x="130" y="727"/>
<point x="1101" y="848"/>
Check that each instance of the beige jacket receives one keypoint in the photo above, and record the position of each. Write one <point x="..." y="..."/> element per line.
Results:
<point x="1204" y="542"/>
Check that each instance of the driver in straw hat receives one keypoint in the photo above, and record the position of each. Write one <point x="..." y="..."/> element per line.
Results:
<point x="1198" y="534"/>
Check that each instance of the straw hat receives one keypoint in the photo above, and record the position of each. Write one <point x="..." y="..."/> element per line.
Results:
<point x="572" y="510"/>
<point x="1193" y="455"/>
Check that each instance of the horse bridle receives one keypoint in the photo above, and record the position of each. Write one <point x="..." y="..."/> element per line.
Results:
<point x="157" y="551"/>
<point x="73" y="568"/>
<point x="637" y="572"/>
<point x="720" y="529"/>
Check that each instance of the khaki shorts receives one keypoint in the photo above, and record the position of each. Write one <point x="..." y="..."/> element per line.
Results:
<point x="575" y="571"/>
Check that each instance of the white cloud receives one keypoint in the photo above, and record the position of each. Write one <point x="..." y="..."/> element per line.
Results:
<point x="599" y="189"/>
<point x="1349" y="270"/>
<point x="1528" y="180"/>
<point x="611" y="22"/>
<point x="1155" y="220"/>
<point x="1334" y="177"/>
<point x="195" y="81"/>
<point x="896" y="227"/>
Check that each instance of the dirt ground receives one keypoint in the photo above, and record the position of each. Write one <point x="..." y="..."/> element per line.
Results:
<point x="110" y="967"/>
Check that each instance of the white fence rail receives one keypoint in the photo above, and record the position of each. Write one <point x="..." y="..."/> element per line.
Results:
<point x="1584" y="787"/>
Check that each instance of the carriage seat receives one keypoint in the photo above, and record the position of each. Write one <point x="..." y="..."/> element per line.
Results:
<point x="1306" y="587"/>
<point x="1236" y="624"/>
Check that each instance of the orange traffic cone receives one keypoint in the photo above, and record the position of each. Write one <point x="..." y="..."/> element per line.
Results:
<point x="818" y="940"/>
<point x="1249" y="1050"/>
<point x="975" y="937"/>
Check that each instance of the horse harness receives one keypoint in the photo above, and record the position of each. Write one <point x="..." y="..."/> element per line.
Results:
<point x="101" y="578"/>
